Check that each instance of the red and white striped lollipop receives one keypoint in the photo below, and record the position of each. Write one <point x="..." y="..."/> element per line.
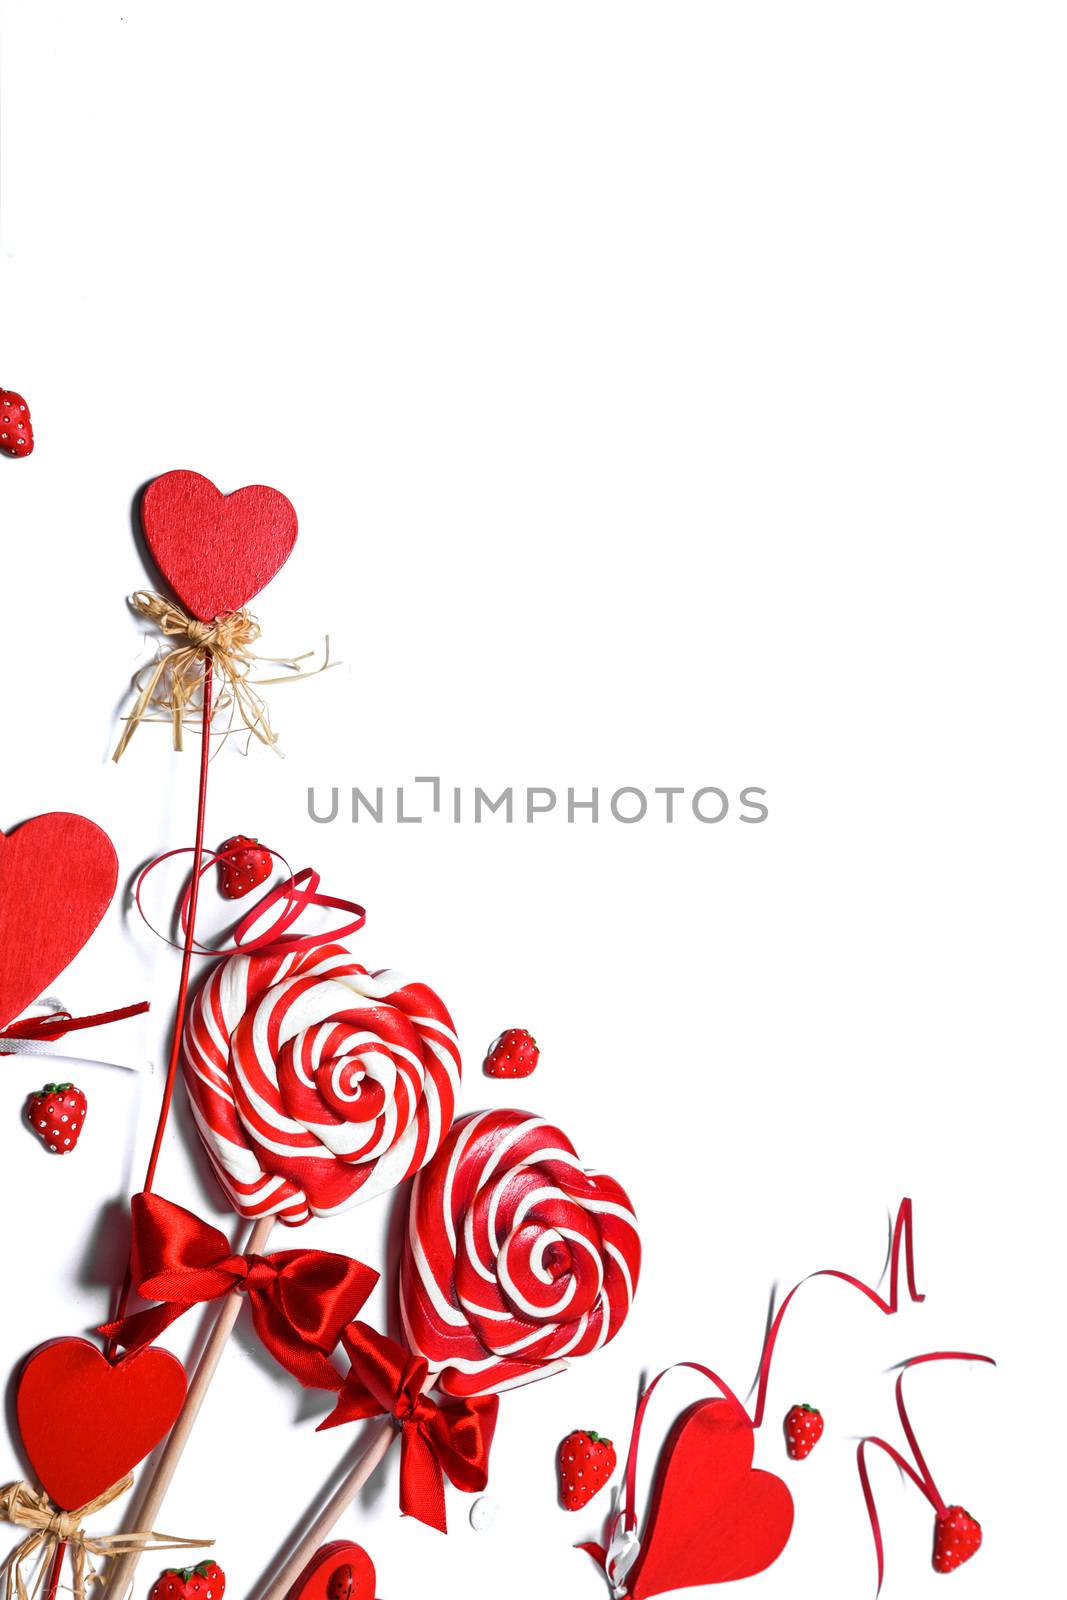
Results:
<point x="516" y="1258"/>
<point x="316" y="1084"/>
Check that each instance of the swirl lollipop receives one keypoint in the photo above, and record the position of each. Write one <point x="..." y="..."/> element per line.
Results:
<point x="316" y="1084"/>
<point x="516" y="1260"/>
<point x="516" y="1257"/>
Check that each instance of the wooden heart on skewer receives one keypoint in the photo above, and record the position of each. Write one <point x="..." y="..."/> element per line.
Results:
<point x="216" y="550"/>
<point x="86" y="1422"/>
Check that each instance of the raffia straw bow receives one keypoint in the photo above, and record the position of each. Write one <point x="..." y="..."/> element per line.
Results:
<point x="173" y="685"/>
<point x="49" y="1527"/>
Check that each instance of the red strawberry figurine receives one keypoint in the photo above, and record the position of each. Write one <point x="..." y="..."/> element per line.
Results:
<point x="57" y="1114"/>
<point x="245" y="869"/>
<point x="16" y="429"/>
<point x="339" y="1570"/>
<point x="803" y="1430"/>
<point x="341" y="1583"/>
<point x="586" y="1463"/>
<point x="206" y="1581"/>
<point x="513" y="1055"/>
<point x="956" y="1539"/>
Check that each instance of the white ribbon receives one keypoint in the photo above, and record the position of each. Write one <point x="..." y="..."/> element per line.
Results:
<point x="623" y="1551"/>
<point x="36" y="1047"/>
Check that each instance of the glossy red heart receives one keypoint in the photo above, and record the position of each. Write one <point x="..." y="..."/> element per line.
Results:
<point x="85" y="1423"/>
<point x="337" y="1571"/>
<point x="57" y="877"/>
<point x="713" y="1516"/>
<point x="216" y="550"/>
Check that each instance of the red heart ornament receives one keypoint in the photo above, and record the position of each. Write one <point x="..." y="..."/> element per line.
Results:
<point x="216" y="550"/>
<point x="85" y="1423"/>
<point x="57" y="876"/>
<point x="713" y="1516"/>
<point x="337" y="1571"/>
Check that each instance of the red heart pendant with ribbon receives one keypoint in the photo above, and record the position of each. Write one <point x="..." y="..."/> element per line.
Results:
<point x="337" y="1571"/>
<point x="714" y="1517"/>
<point x="57" y="878"/>
<point x="86" y="1422"/>
<point x="216" y="550"/>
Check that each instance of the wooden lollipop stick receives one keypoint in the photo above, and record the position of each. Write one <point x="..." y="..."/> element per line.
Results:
<point x="371" y="1459"/>
<point x="122" y="1569"/>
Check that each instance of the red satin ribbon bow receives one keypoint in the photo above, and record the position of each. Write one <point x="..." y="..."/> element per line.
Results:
<point x="450" y="1438"/>
<point x="300" y="1299"/>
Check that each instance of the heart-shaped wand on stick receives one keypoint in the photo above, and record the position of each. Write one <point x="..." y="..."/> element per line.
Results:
<point x="217" y="552"/>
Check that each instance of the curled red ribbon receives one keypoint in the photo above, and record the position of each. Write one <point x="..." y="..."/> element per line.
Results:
<point x="300" y="1299"/>
<point x="919" y="1473"/>
<point x="295" y="894"/>
<point x="450" y="1439"/>
<point x="902" y="1247"/>
<point x="54" y="1024"/>
<point x="903" y="1244"/>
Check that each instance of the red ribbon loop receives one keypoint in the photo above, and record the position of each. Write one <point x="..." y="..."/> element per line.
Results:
<point x="901" y="1253"/>
<point x="300" y="1300"/>
<point x="54" y="1024"/>
<point x="919" y="1474"/>
<point x="293" y="895"/>
<point x="451" y="1438"/>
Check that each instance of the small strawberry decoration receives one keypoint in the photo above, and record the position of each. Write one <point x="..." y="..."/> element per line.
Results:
<point x="803" y="1430"/>
<point x="246" y="865"/>
<point x="16" y="429"/>
<point x="341" y="1583"/>
<point x="513" y="1055"/>
<point x="56" y="1114"/>
<point x="206" y="1581"/>
<point x="586" y="1463"/>
<point x="957" y="1538"/>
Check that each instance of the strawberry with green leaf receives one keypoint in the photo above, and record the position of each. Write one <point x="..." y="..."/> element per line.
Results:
<point x="205" y="1581"/>
<point x="56" y="1114"/>
<point x="586" y="1463"/>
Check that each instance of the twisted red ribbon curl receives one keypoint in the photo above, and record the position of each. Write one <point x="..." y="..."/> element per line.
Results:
<point x="920" y="1473"/>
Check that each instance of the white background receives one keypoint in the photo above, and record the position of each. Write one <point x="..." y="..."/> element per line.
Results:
<point x="669" y="395"/>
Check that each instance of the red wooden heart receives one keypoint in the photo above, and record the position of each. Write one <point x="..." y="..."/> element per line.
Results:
<point x="86" y="1423"/>
<point x="216" y="550"/>
<point x="57" y="877"/>
<point x="329" y="1563"/>
<point x="713" y="1516"/>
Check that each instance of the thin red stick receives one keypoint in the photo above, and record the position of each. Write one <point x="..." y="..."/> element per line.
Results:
<point x="56" y="1569"/>
<point x="183" y="983"/>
